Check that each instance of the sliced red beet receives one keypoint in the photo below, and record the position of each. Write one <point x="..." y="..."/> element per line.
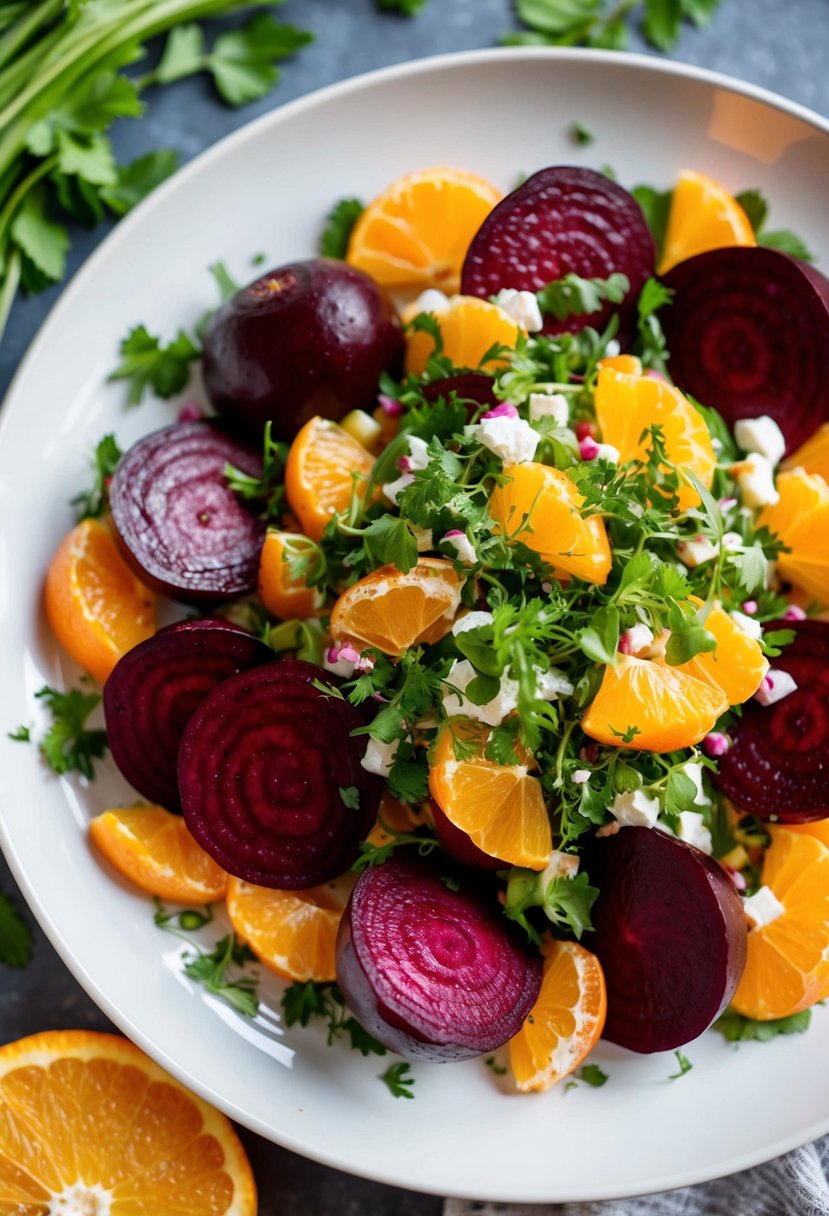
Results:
<point x="778" y="764"/>
<point x="432" y="973"/>
<point x="474" y="387"/>
<point x="270" y="777"/>
<point x="457" y="845"/>
<point x="156" y="688"/>
<point x="180" y="526"/>
<point x="670" y="933"/>
<point x="562" y="220"/>
<point x="748" y="332"/>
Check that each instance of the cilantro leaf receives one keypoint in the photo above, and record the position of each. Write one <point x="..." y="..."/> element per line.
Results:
<point x="573" y="296"/>
<point x="755" y="206"/>
<point x="680" y="792"/>
<point x="69" y="746"/>
<point x="93" y="502"/>
<point x="15" y="935"/>
<point x="210" y="970"/>
<point x="147" y="364"/>
<point x="399" y="1079"/>
<point x="133" y="182"/>
<point x="736" y="1028"/>
<point x="338" y="227"/>
<point x="183" y="55"/>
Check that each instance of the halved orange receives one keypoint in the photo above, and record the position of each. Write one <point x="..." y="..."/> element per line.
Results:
<point x="154" y="849"/>
<point x="787" y="968"/>
<point x="703" y="216"/>
<point x="292" y="932"/>
<point x="736" y="668"/>
<point x="469" y="328"/>
<point x="813" y="455"/>
<point x="669" y="709"/>
<point x="97" y="608"/>
<point x="89" y="1124"/>
<point x="499" y="806"/>
<point x="801" y="519"/>
<point x="324" y="465"/>
<point x="286" y="597"/>
<point x="393" y="611"/>
<point x="416" y="233"/>
<point x="566" y="1021"/>
<point x="627" y="405"/>
<point x="540" y="507"/>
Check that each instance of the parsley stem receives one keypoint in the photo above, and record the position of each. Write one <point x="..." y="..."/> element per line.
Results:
<point x="26" y="27"/>
<point x="8" y="291"/>
<point x="21" y="190"/>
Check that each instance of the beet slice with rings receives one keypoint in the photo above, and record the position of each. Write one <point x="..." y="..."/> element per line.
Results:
<point x="432" y="973"/>
<point x="180" y="527"/>
<point x="778" y="764"/>
<point x="563" y="220"/>
<point x="748" y="332"/>
<point x="155" y="689"/>
<point x="270" y="777"/>
<point x="670" y="933"/>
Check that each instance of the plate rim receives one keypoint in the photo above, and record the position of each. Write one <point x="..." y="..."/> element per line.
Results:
<point x="281" y="113"/>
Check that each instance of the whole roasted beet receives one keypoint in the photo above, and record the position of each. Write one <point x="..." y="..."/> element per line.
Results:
<point x="304" y="339"/>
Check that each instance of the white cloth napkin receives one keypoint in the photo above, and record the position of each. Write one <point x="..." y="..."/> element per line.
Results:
<point x="794" y="1185"/>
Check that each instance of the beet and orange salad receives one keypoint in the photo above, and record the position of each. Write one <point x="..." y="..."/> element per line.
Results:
<point x="502" y="718"/>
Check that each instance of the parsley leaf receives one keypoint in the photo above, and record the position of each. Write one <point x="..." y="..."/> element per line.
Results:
<point x="350" y="796"/>
<point x="338" y="226"/>
<point x="301" y="1002"/>
<point x="580" y="135"/>
<point x="408" y="8"/>
<point x="20" y="734"/>
<point x="68" y="746"/>
<point x="242" y="62"/>
<point x="399" y="1079"/>
<point x="591" y="1074"/>
<point x="147" y="364"/>
<point x="42" y="241"/>
<point x="93" y="502"/>
<point x="573" y="296"/>
<point x="389" y="540"/>
<point x="15" y="935"/>
<point x="600" y="24"/>
<point x="685" y="1065"/>
<point x="736" y="1028"/>
<point x="268" y="489"/>
<point x="600" y="639"/>
<point x="652" y="347"/>
<point x="757" y="209"/>
<point x="655" y="204"/>
<point x="210" y="970"/>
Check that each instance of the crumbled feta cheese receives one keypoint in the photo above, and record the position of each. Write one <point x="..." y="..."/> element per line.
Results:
<point x="612" y="349"/>
<point x="606" y="451"/>
<point x="472" y="620"/>
<point x="762" y="908"/>
<point x="747" y="625"/>
<point x="418" y="453"/>
<point x="379" y="757"/>
<point x="460" y="542"/>
<point x="755" y="477"/>
<point x="511" y="439"/>
<point x="460" y="675"/>
<point x="418" y="458"/>
<point x="732" y="541"/>
<point x="693" y="770"/>
<point x="774" y="686"/>
<point x="430" y="300"/>
<point x="761" y="435"/>
<point x="694" y="552"/>
<point x="634" y="809"/>
<point x="636" y="641"/>
<point x="549" y="405"/>
<point x="423" y="538"/>
<point x="580" y="776"/>
<point x="340" y="660"/>
<point x="560" y="865"/>
<point x="392" y="488"/>
<point x="693" y="831"/>
<point x="522" y="307"/>
<point x="552" y="684"/>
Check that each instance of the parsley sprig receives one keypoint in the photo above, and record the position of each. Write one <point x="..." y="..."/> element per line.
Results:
<point x="302" y="1002"/>
<point x="69" y="745"/>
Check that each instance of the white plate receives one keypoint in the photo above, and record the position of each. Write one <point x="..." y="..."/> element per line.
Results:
<point x="267" y="188"/>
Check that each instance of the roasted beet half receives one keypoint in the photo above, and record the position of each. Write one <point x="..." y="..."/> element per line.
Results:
<point x="748" y="332"/>
<point x="179" y="525"/>
<point x="433" y="973"/>
<point x="670" y="933"/>
<point x="457" y="845"/>
<point x="306" y="339"/>
<point x="778" y="764"/>
<point x="562" y="220"/>
<point x="155" y="689"/>
<point x="270" y="777"/>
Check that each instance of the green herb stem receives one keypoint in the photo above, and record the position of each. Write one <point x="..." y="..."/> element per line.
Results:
<point x="18" y="34"/>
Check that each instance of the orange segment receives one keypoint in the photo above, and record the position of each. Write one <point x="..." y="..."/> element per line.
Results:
<point x="813" y="455"/>
<point x="787" y="968"/>
<point x="566" y="1021"/>
<point x="670" y="709"/>
<point x="399" y="816"/>
<point x="153" y="849"/>
<point x="89" y="1124"/>
<point x="393" y="611"/>
<point x="627" y="405"/>
<point x="97" y="608"/>
<point x="320" y="473"/>
<point x="292" y="932"/>
<point x="469" y="328"/>
<point x="416" y="233"/>
<point x="631" y="365"/>
<point x="736" y="667"/>
<point x="549" y="502"/>
<point x="287" y="598"/>
<point x="801" y="520"/>
<point x="703" y="216"/>
<point x="499" y="806"/>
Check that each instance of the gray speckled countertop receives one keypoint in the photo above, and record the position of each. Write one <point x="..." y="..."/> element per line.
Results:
<point x="779" y="45"/>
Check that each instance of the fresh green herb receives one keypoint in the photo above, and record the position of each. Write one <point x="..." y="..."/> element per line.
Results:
<point x="21" y="734"/>
<point x="301" y="1002"/>
<point x="15" y="935"/>
<point x="566" y="901"/>
<point x="408" y="8"/>
<point x="580" y="135"/>
<point x="757" y="209"/>
<point x="149" y="364"/>
<point x="591" y="1074"/>
<point x="379" y="854"/>
<point x="268" y="489"/>
<point x="739" y="1029"/>
<point x="211" y="970"/>
<point x="498" y="1069"/>
<point x="685" y="1065"/>
<point x="350" y="796"/>
<point x="186" y="920"/>
<point x="598" y="23"/>
<point x="572" y="296"/>
<point x="399" y="1079"/>
<point x="652" y="347"/>
<point x="93" y="502"/>
<point x="656" y="205"/>
<point x="133" y="182"/>
<point x="338" y="227"/>
<point x="68" y="745"/>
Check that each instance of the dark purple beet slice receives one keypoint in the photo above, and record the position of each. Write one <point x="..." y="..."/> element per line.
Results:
<point x="433" y="974"/>
<point x="470" y="386"/>
<point x="156" y="688"/>
<point x="457" y="845"/>
<point x="778" y="764"/>
<point x="262" y="768"/>
<point x="180" y="526"/>
<point x="670" y="933"/>
<point x="748" y="332"/>
<point x="562" y="220"/>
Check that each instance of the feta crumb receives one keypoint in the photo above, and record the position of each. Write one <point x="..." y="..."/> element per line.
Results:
<point x="472" y="620"/>
<point x="606" y="451"/>
<point x="493" y="712"/>
<point x="560" y="865"/>
<point x="612" y="349"/>
<point x="418" y="453"/>
<point x="774" y="686"/>
<point x="423" y="538"/>
<point x="636" y="640"/>
<point x="580" y="776"/>
<point x="379" y="757"/>
<point x="694" y="552"/>
<point x="762" y="908"/>
<point x="460" y="542"/>
<point x="761" y="435"/>
<point x="732" y="541"/>
<point x="693" y="771"/>
<point x="693" y="831"/>
<point x="418" y="458"/>
<point x="748" y="625"/>
<point x="755" y="477"/>
<point x="634" y="809"/>
<point x="549" y="405"/>
<point x="430" y="300"/>
<point x="511" y="439"/>
<point x="552" y="684"/>
<point x="392" y="488"/>
<point x="522" y="307"/>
